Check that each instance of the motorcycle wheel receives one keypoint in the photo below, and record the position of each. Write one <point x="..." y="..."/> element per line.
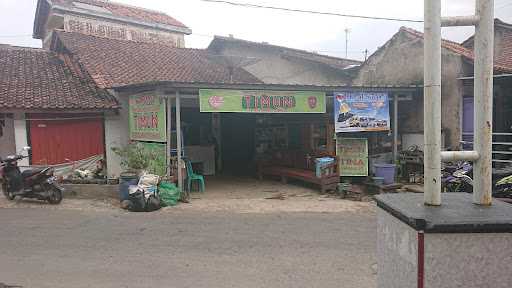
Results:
<point x="9" y="195"/>
<point x="55" y="195"/>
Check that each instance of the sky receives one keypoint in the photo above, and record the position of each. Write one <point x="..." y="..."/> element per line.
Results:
<point x="317" y="33"/>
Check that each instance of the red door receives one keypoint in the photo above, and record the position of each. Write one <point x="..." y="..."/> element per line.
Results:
<point x="65" y="136"/>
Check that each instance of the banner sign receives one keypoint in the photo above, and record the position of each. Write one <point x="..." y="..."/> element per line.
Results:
<point x="260" y="101"/>
<point x="147" y="118"/>
<point x="353" y="156"/>
<point x="361" y="111"/>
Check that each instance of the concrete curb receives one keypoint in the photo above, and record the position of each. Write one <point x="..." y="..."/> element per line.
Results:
<point x="91" y="191"/>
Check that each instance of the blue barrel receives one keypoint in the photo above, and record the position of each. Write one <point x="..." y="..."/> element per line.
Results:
<point x="125" y="181"/>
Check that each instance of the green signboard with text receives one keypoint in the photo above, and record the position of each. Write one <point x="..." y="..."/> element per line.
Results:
<point x="353" y="156"/>
<point x="261" y="101"/>
<point x="147" y="118"/>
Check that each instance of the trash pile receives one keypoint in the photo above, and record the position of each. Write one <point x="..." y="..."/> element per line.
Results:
<point x="150" y="194"/>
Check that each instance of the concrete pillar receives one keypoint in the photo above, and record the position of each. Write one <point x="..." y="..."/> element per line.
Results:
<point x="484" y="51"/>
<point x="432" y="105"/>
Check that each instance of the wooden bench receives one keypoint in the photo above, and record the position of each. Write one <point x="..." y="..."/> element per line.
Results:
<point x="328" y="181"/>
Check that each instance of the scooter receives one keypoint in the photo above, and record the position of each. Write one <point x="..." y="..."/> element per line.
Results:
<point x="38" y="183"/>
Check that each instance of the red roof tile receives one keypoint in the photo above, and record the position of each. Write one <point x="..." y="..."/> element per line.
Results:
<point x="123" y="10"/>
<point x="457" y="48"/>
<point x="115" y="63"/>
<point x="504" y="54"/>
<point x="36" y="79"/>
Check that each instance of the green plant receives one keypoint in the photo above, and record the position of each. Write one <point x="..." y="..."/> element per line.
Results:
<point x="135" y="156"/>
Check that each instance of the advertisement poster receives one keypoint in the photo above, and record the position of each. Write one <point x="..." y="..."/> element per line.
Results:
<point x="361" y="111"/>
<point x="256" y="101"/>
<point x="147" y="118"/>
<point x="353" y="156"/>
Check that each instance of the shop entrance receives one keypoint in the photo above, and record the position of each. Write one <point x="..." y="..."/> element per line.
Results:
<point x="250" y="139"/>
<point x="238" y="143"/>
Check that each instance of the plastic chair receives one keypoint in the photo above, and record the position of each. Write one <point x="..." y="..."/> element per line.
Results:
<point x="191" y="176"/>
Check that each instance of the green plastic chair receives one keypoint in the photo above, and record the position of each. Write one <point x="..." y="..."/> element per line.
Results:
<point x="191" y="176"/>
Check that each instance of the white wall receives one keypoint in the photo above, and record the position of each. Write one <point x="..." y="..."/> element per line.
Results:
<point x="116" y="135"/>
<point x="20" y="135"/>
<point x="7" y="142"/>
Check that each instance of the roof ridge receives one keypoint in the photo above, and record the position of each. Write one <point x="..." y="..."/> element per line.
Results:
<point x="124" y="5"/>
<point x="418" y="33"/>
<point x="283" y="47"/>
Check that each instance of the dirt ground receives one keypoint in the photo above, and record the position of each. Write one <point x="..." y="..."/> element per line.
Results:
<point x="228" y="194"/>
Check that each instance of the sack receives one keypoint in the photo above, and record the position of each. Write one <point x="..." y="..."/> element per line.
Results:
<point x="138" y="201"/>
<point x="149" y="180"/>
<point x="153" y="203"/>
<point x="169" y="194"/>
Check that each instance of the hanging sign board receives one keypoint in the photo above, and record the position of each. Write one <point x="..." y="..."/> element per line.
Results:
<point x="260" y="101"/>
<point x="361" y="111"/>
<point x="353" y="156"/>
<point x="147" y="118"/>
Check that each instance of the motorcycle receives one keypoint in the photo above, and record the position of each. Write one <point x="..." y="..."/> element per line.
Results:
<point x="457" y="178"/>
<point x="503" y="189"/>
<point x="38" y="183"/>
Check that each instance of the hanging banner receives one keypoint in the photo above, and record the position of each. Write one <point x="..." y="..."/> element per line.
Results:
<point x="361" y="111"/>
<point x="353" y="156"/>
<point x="147" y="118"/>
<point x="260" y="101"/>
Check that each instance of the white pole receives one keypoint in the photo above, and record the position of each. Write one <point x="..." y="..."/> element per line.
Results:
<point x="395" y="128"/>
<point x="484" y="51"/>
<point x="169" y="133"/>
<point x="432" y="102"/>
<point x="178" y="140"/>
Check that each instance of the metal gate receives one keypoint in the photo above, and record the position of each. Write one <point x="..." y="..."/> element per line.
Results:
<point x="61" y="138"/>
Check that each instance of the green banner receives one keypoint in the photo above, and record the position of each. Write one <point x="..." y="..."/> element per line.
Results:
<point x="353" y="156"/>
<point x="147" y="118"/>
<point x="261" y="101"/>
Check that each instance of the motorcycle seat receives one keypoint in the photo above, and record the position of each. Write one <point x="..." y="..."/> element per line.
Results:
<point x="31" y="172"/>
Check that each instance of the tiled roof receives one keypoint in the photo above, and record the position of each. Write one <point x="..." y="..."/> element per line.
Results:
<point x="505" y="51"/>
<point x="36" y="79"/>
<point x="499" y="64"/>
<point x="333" y="62"/>
<point x="115" y="63"/>
<point x="127" y="11"/>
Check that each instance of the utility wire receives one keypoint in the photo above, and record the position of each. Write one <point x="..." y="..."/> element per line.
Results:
<point x="250" y="5"/>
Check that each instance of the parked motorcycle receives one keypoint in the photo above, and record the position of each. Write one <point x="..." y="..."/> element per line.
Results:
<point x="457" y="177"/>
<point x="38" y="183"/>
<point x="503" y="188"/>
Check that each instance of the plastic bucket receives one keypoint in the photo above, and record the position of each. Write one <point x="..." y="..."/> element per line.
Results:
<point x="125" y="181"/>
<point x="386" y="171"/>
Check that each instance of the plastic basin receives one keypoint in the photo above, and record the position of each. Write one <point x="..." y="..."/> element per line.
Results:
<point x="386" y="171"/>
